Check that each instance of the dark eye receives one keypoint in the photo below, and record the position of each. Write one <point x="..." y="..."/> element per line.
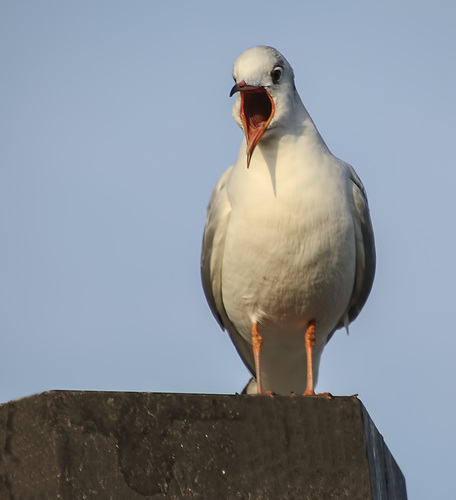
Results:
<point x="276" y="74"/>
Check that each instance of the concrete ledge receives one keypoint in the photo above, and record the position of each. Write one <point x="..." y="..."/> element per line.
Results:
<point x="116" y="445"/>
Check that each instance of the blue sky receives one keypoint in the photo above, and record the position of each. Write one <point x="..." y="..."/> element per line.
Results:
<point x="116" y="124"/>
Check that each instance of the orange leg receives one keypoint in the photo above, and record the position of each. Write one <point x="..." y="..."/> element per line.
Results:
<point x="257" y="340"/>
<point x="310" y="338"/>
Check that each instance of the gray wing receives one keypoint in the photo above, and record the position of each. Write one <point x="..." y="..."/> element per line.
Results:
<point x="218" y="218"/>
<point x="365" y="248"/>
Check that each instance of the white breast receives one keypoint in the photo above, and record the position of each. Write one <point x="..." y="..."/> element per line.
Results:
<point x="289" y="252"/>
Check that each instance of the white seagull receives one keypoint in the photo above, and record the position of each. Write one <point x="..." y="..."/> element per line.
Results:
<point x="288" y="251"/>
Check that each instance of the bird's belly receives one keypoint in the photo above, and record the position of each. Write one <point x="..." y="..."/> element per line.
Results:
<point x="282" y="271"/>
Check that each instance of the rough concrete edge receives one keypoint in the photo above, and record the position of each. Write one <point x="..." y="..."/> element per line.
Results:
<point x="103" y="391"/>
<point x="387" y="480"/>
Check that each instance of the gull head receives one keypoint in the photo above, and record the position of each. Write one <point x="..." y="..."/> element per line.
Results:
<point x="264" y="82"/>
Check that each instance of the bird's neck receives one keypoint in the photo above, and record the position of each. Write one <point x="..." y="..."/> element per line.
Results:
<point x="297" y="129"/>
<point x="302" y="125"/>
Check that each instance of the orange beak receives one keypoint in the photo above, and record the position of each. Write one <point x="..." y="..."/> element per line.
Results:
<point x="257" y="110"/>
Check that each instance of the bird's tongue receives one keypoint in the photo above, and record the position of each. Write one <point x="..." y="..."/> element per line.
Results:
<point x="257" y="110"/>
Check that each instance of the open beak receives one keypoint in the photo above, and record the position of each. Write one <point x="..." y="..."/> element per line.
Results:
<point x="257" y="110"/>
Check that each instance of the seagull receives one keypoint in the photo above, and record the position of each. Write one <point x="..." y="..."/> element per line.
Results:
<point x="288" y="254"/>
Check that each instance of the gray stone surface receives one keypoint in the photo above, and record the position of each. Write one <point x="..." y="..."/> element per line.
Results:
<point x="117" y="445"/>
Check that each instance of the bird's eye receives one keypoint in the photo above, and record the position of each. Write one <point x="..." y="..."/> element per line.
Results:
<point x="276" y="74"/>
